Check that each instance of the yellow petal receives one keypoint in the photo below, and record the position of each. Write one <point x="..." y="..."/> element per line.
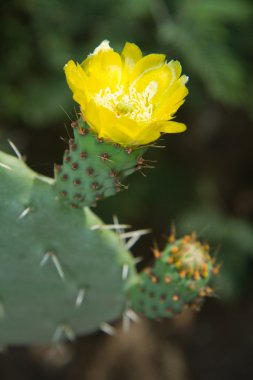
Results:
<point x="147" y="134"/>
<point x="121" y="130"/>
<point x="172" y="127"/>
<point x="104" y="46"/>
<point x="175" y="66"/>
<point x="155" y="82"/>
<point x="105" y="66"/>
<point x="117" y="129"/>
<point x="171" y="100"/>
<point x="131" y="54"/>
<point x="147" y="63"/>
<point x="80" y="98"/>
<point x="93" y="116"/>
<point x="76" y="77"/>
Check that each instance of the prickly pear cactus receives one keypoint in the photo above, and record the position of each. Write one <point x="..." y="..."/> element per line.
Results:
<point x="62" y="271"/>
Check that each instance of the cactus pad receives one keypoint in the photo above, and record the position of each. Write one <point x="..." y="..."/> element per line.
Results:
<point x="58" y="277"/>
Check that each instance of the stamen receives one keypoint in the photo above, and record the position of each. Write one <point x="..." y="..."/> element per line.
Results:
<point x="136" y="105"/>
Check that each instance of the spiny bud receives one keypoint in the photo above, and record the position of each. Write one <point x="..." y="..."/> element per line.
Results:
<point x="182" y="273"/>
<point x="191" y="257"/>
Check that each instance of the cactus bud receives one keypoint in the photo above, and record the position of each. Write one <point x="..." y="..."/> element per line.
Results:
<point x="179" y="279"/>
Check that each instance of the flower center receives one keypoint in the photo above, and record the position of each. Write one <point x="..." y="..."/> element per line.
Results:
<point x="193" y="255"/>
<point x="128" y="102"/>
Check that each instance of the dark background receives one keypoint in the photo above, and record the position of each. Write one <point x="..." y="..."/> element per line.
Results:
<point x="202" y="181"/>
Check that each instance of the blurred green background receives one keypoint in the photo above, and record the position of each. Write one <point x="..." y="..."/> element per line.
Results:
<point x="203" y="179"/>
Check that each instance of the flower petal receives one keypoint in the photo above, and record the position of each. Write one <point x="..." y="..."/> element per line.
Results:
<point x="155" y="83"/>
<point x="121" y="130"/>
<point x="175" y="66"/>
<point x="93" y="115"/>
<point x="172" y="127"/>
<point x="171" y="100"/>
<point x="131" y="54"/>
<point x="147" y="63"/>
<point x="105" y="66"/>
<point x="76" y="77"/>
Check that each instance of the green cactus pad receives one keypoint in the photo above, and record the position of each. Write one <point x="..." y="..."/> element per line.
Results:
<point x="178" y="279"/>
<point x="93" y="169"/>
<point x="59" y="278"/>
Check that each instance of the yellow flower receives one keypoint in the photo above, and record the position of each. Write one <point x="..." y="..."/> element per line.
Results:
<point x="127" y="98"/>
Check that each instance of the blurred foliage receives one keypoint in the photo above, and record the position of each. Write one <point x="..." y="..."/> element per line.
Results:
<point x="205" y="35"/>
<point x="39" y="36"/>
<point x="213" y="41"/>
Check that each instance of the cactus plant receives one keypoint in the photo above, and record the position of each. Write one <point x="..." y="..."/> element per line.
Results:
<point x="63" y="272"/>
